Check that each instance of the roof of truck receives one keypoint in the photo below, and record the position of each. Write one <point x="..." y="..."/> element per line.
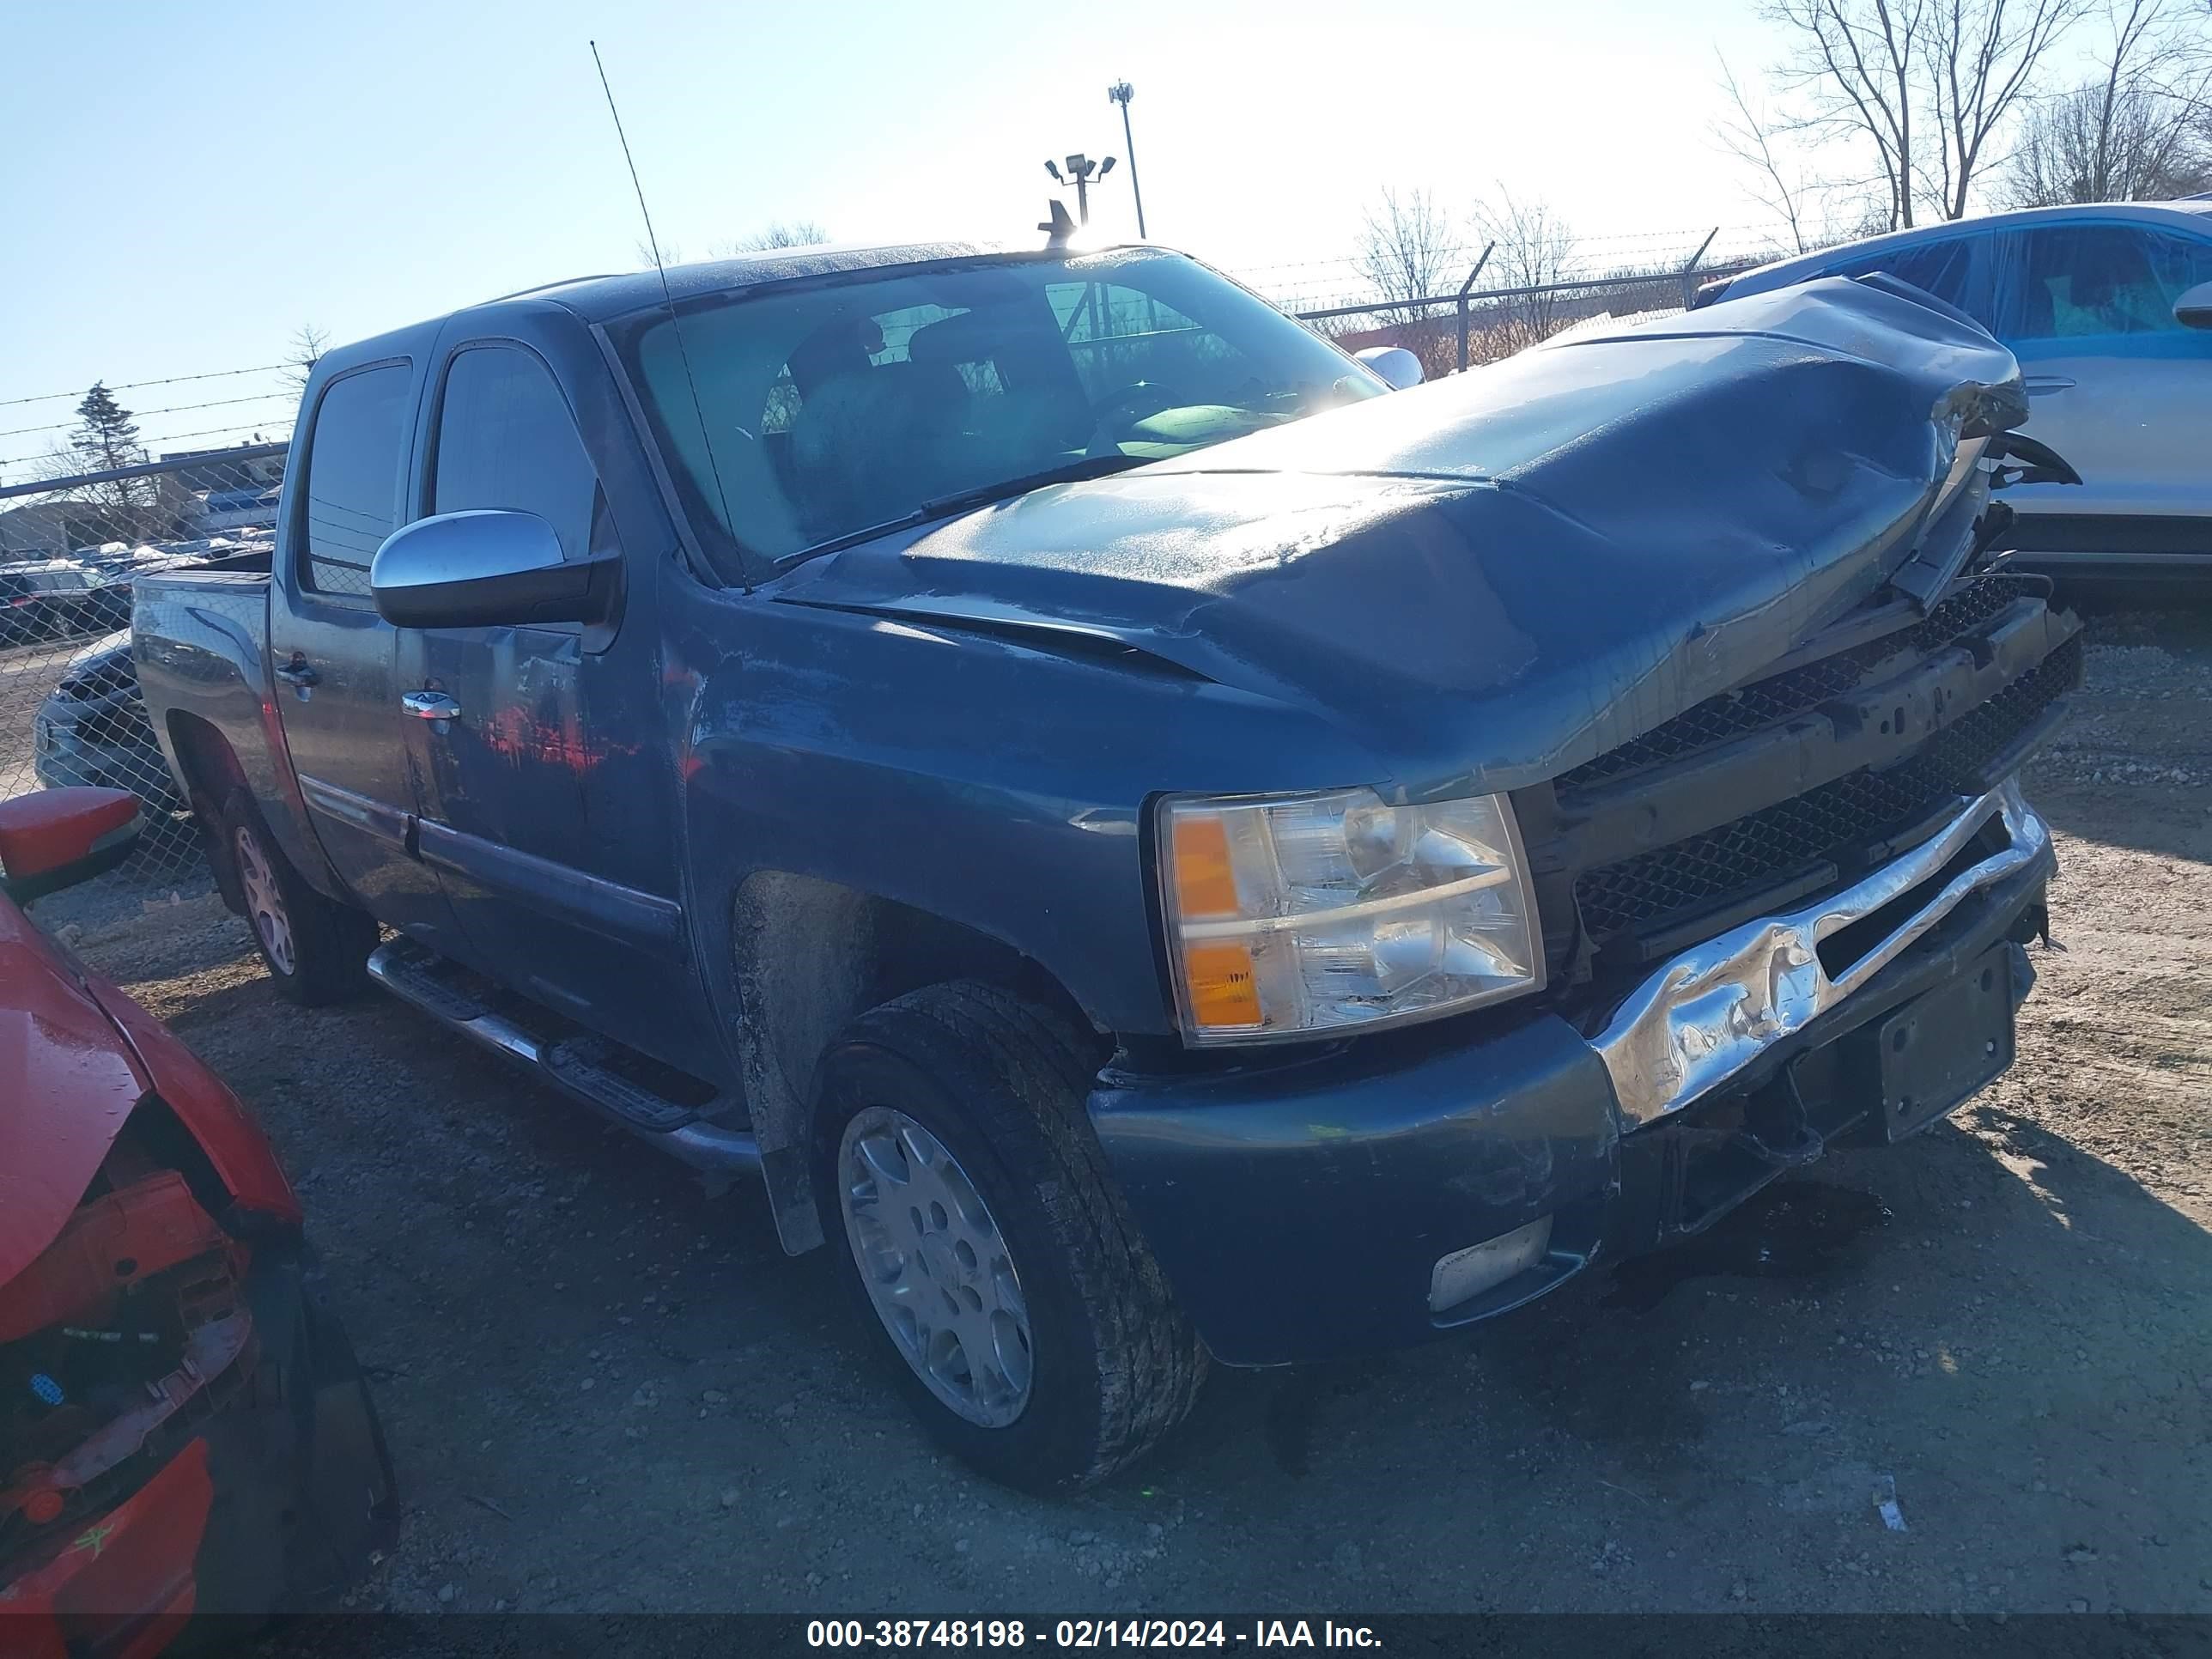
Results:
<point x="599" y="299"/>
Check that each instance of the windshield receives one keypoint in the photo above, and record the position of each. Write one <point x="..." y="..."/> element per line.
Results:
<point x="836" y="405"/>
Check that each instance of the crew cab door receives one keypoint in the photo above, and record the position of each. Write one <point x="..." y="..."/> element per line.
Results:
<point x="549" y="797"/>
<point x="331" y="656"/>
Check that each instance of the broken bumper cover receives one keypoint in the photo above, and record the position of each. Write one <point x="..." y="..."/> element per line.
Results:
<point x="1299" y="1209"/>
<point x="277" y="1500"/>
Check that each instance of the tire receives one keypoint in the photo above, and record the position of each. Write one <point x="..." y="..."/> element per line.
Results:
<point x="998" y="1084"/>
<point x="316" y="949"/>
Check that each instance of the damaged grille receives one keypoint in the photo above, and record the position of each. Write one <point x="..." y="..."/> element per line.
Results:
<point x="1798" y="690"/>
<point x="1829" y="824"/>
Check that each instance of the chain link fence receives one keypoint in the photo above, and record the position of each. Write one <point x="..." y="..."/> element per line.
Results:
<point x="70" y="549"/>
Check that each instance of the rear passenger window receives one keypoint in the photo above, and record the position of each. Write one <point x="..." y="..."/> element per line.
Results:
<point x="354" y="457"/>
<point x="505" y="441"/>
<point x="1947" y="270"/>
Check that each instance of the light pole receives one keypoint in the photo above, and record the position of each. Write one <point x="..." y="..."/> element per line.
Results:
<point x="1121" y="93"/>
<point x="1081" y="169"/>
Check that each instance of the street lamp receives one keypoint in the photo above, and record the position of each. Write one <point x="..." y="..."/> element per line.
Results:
<point x="1081" y="170"/>
<point x="1121" y="93"/>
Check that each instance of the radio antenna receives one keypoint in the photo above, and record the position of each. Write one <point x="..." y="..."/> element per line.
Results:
<point x="668" y="297"/>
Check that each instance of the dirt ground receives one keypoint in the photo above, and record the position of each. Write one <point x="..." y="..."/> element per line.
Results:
<point x="607" y="1392"/>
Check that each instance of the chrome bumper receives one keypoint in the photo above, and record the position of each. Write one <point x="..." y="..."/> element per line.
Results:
<point x="1710" y="1011"/>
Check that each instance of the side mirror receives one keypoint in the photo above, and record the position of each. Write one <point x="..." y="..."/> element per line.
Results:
<point x="486" y="570"/>
<point x="2194" y="308"/>
<point x="59" y="837"/>
<point x="1399" y="366"/>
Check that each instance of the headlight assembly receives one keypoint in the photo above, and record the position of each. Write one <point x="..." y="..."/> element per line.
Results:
<point x="1295" y="915"/>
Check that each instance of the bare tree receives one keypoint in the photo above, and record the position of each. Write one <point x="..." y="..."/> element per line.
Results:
<point x="1852" y="62"/>
<point x="306" y="350"/>
<point x="799" y="233"/>
<point x="1403" y="246"/>
<point x="1927" y="86"/>
<point x="1757" y="140"/>
<point x="1405" y="243"/>
<point x="1533" y="247"/>
<point x="2138" y="131"/>
<point x="1982" y="57"/>
<point x="2083" y="146"/>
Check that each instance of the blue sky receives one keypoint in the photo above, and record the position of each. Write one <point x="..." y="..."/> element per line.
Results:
<point x="183" y="186"/>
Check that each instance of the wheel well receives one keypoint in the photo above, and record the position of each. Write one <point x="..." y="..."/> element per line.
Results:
<point x="211" y="772"/>
<point x="811" y="956"/>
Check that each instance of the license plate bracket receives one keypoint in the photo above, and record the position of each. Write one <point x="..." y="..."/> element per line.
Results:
<point x="1932" y="1054"/>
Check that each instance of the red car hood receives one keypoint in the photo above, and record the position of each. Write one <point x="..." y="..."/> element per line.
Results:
<point x="68" y="1080"/>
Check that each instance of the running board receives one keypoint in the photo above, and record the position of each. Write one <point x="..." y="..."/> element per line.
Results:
<point x="579" y="1064"/>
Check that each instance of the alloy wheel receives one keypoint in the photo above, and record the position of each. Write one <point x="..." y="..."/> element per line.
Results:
<point x="265" y="902"/>
<point x="936" y="1268"/>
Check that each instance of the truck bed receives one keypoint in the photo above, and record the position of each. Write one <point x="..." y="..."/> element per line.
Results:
<point x="199" y="638"/>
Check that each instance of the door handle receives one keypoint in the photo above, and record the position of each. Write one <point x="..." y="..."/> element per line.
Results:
<point x="430" y="706"/>
<point x="298" y="674"/>
<point x="2039" y="385"/>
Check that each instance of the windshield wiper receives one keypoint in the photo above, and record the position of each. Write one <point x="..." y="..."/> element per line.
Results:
<point x="943" y="507"/>
<point x="1090" y="466"/>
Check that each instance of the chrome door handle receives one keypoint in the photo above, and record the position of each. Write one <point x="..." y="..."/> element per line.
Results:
<point x="2040" y="384"/>
<point x="430" y="706"/>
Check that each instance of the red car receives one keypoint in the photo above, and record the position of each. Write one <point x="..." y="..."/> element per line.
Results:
<point x="182" y="1425"/>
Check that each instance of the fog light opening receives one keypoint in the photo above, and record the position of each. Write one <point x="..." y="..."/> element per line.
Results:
<point x="1465" y="1274"/>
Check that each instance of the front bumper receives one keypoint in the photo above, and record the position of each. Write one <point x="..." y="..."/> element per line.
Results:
<point x="1300" y="1208"/>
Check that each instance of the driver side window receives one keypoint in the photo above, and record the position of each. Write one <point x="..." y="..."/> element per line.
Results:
<point x="2081" y="281"/>
<point x="506" y="440"/>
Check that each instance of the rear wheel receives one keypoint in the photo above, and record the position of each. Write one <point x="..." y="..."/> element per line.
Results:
<point x="968" y="1203"/>
<point x="316" y="949"/>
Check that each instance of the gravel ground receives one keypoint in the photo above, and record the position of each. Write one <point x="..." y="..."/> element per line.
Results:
<point x="608" y="1393"/>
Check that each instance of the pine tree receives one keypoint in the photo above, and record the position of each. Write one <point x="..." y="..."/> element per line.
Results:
<point x="106" y="440"/>
<point x="109" y="437"/>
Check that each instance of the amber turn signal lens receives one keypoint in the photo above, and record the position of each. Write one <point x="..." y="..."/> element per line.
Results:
<point x="1224" y="994"/>
<point x="1206" y="883"/>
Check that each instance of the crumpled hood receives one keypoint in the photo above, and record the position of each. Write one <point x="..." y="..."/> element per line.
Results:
<point x="1499" y="575"/>
<point x="68" y="1082"/>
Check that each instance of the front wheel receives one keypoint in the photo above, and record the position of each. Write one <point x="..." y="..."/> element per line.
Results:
<point x="316" y="949"/>
<point x="968" y="1203"/>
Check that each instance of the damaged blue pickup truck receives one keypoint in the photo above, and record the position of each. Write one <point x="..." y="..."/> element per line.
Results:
<point x="1155" y="846"/>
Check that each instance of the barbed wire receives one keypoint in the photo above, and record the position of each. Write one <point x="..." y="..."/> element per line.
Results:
<point x="172" y="408"/>
<point x="140" y="386"/>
